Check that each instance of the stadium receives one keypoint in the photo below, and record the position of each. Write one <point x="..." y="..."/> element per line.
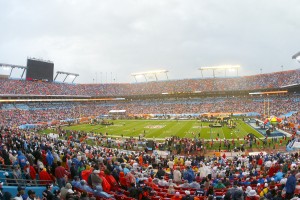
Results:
<point x="222" y="117"/>
<point x="149" y="100"/>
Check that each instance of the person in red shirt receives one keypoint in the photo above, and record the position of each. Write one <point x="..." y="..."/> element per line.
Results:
<point x="60" y="174"/>
<point x="30" y="172"/>
<point x="45" y="177"/>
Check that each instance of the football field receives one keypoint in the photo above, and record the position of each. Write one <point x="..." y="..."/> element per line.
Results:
<point x="160" y="129"/>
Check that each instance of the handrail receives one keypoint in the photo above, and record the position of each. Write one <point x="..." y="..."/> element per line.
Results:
<point x="25" y="182"/>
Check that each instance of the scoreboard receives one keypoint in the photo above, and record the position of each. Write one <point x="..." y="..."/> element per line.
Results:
<point x="39" y="70"/>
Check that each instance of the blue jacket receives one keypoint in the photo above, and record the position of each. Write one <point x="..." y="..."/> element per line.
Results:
<point x="189" y="175"/>
<point x="21" y="159"/>
<point x="49" y="158"/>
<point x="290" y="184"/>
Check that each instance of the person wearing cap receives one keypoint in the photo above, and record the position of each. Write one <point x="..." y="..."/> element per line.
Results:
<point x="21" y="192"/>
<point x="252" y="195"/>
<point x="31" y="195"/>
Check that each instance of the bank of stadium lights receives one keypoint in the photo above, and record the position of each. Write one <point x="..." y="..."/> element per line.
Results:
<point x="221" y="67"/>
<point x="296" y="56"/>
<point x="149" y="73"/>
<point x="12" y="67"/>
<point x="68" y="74"/>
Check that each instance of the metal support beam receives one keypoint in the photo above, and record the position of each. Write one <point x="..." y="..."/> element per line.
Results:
<point x="23" y="73"/>
<point x="65" y="77"/>
<point x="56" y="76"/>
<point x="11" y="71"/>
<point x="74" y="79"/>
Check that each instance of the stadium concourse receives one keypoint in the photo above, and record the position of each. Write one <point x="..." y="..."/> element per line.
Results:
<point x="66" y="167"/>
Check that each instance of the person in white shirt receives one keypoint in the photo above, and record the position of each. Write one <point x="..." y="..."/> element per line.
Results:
<point x="177" y="175"/>
<point x="170" y="164"/>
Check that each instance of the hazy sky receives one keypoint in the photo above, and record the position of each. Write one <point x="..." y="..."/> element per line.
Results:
<point x="119" y="37"/>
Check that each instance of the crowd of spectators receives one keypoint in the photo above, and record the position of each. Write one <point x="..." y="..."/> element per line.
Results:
<point x="82" y="171"/>
<point x="32" y="113"/>
<point x="261" y="81"/>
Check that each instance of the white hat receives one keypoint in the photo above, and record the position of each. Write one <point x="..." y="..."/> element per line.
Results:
<point x="177" y="193"/>
<point x="96" y="171"/>
<point x="248" y="189"/>
<point x="70" y="191"/>
<point x="187" y="192"/>
<point x="266" y="185"/>
<point x="252" y="193"/>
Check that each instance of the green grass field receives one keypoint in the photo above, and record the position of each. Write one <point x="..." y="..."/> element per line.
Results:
<point x="159" y="129"/>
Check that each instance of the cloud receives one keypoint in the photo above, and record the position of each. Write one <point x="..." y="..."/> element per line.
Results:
<point x="119" y="37"/>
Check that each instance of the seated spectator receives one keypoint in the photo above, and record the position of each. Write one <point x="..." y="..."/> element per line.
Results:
<point x="95" y="179"/>
<point x="177" y="196"/>
<point x="187" y="195"/>
<point x="163" y="182"/>
<point x="98" y="192"/>
<point x="185" y="184"/>
<point x="252" y="195"/>
<point x="64" y="190"/>
<point x="76" y="182"/>
<point x="194" y="185"/>
<point x="219" y="185"/>
<point x="71" y="195"/>
<point x="171" y="189"/>
<point x="200" y="192"/>
<point x="84" y="186"/>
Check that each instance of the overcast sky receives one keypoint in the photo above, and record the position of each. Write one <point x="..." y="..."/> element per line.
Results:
<point x="119" y="37"/>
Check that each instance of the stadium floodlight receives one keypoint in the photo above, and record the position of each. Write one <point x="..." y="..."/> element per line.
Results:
<point x="155" y="73"/>
<point x="296" y="56"/>
<point x="72" y="75"/>
<point x="12" y="67"/>
<point x="220" y="67"/>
